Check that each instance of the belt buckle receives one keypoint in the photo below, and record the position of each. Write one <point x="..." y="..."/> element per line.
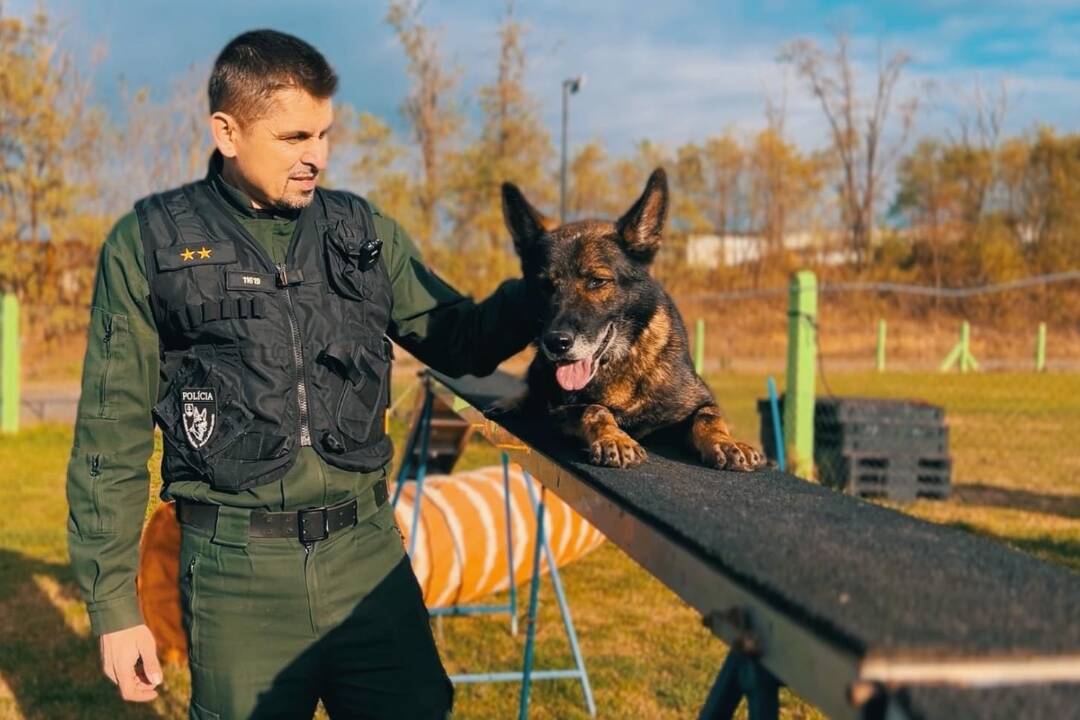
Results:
<point x="303" y="522"/>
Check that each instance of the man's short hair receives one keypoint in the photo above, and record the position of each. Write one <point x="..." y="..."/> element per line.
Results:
<point x="258" y="63"/>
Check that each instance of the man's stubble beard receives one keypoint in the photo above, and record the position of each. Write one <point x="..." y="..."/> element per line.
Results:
<point x="296" y="201"/>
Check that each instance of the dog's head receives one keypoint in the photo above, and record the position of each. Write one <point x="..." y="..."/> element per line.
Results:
<point x="593" y="276"/>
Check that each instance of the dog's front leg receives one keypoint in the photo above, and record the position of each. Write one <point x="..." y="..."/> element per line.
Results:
<point x="712" y="439"/>
<point x="607" y="443"/>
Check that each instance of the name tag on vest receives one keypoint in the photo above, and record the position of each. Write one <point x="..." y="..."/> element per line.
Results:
<point x="245" y="280"/>
<point x="176" y="257"/>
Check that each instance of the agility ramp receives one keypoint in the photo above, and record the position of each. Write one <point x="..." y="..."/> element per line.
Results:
<point x="861" y="610"/>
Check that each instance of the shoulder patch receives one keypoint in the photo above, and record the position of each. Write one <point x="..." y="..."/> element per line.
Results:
<point x="176" y="257"/>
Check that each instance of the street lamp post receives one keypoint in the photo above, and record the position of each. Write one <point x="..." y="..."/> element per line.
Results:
<point x="569" y="87"/>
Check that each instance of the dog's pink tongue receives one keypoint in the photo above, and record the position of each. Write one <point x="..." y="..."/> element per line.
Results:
<point x="574" y="376"/>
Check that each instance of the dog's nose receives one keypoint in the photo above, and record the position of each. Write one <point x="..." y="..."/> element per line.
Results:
<point x="558" y="342"/>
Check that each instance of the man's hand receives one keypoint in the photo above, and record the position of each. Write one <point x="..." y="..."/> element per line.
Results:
<point x="129" y="658"/>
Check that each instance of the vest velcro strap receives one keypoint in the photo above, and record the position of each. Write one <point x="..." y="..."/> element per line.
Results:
<point x="289" y="276"/>
<point x="339" y="356"/>
<point x="210" y="312"/>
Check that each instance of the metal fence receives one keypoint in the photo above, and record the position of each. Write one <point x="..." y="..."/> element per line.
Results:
<point x="1003" y="360"/>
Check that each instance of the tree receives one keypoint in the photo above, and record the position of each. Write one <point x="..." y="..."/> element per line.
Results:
<point x="591" y="193"/>
<point x="514" y="146"/>
<point x="857" y="127"/>
<point x="378" y="168"/>
<point x="925" y="197"/>
<point x="782" y="185"/>
<point x="49" y="139"/>
<point x="723" y="164"/>
<point x="429" y="107"/>
<point x="157" y="144"/>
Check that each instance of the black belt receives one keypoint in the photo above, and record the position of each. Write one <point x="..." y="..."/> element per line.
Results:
<point x="307" y="525"/>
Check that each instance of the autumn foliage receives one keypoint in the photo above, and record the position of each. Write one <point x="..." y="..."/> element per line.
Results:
<point x="974" y="206"/>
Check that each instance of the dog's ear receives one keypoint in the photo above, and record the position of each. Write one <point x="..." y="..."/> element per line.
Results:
<point x="525" y="223"/>
<point x="641" y="226"/>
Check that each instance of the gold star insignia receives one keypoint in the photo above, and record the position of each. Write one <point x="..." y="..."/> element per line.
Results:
<point x="187" y="254"/>
<point x="204" y="252"/>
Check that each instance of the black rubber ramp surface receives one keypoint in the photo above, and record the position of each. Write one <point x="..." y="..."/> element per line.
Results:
<point x="867" y="578"/>
<point x="1037" y="702"/>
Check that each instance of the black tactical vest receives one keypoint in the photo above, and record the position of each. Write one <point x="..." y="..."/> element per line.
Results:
<point x="258" y="359"/>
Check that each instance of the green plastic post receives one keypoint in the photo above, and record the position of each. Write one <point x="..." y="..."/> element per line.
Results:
<point x="802" y="352"/>
<point x="9" y="365"/>
<point x="1040" y="349"/>
<point x="965" y="344"/>
<point x="699" y="346"/>
<point x="961" y="353"/>
<point x="881" y="345"/>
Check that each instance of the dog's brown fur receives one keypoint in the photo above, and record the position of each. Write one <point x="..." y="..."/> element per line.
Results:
<point x="602" y="303"/>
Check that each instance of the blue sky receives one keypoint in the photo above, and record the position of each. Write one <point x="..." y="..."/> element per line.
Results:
<point x="669" y="70"/>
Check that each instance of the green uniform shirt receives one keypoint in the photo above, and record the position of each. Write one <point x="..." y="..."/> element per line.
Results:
<point x="108" y="480"/>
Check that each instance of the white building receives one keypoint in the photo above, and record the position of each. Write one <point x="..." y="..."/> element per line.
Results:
<point x="710" y="251"/>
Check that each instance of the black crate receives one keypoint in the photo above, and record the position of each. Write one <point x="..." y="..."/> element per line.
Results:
<point x="903" y="478"/>
<point x="854" y="437"/>
<point x="894" y="449"/>
<point x="858" y="409"/>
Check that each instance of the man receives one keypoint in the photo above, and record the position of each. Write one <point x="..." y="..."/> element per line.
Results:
<point x="247" y="315"/>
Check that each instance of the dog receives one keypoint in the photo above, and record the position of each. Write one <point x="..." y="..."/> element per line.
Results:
<point x="612" y="365"/>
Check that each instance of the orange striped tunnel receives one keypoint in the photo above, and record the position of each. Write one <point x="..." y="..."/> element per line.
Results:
<point x="460" y="555"/>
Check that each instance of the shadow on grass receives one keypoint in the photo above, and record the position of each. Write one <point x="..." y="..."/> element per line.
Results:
<point x="1066" y="506"/>
<point x="52" y="670"/>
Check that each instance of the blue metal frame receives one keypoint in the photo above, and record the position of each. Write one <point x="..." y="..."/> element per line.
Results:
<point x="564" y="610"/>
<point x="527" y="674"/>
<point x="778" y="433"/>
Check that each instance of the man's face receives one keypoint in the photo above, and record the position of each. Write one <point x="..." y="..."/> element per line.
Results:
<point x="279" y="156"/>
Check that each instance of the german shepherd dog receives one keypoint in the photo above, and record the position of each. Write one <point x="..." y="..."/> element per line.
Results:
<point x="612" y="364"/>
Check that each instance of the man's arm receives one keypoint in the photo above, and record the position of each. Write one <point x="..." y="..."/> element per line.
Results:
<point x="443" y="328"/>
<point x="107" y="479"/>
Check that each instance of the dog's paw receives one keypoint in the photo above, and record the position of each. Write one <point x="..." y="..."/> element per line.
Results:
<point x="727" y="453"/>
<point x="616" y="449"/>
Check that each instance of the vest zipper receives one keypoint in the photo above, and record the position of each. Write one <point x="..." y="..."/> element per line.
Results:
<point x="298" y="355"/>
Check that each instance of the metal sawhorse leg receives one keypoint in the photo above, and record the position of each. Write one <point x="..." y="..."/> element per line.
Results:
<point x="527" y="675"/>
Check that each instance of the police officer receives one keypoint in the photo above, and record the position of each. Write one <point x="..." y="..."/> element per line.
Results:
<point x="247" y="315"/>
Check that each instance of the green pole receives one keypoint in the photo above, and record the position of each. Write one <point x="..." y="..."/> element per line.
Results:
<point x="802" y="352"/>
<point x="9" y="365"/>
<point x="1040" y="349"/>
<point x="961" y="353"/>
<point x="881" y="345"/>
<point x="965" y="346"/>
<point x="699" y="346"/>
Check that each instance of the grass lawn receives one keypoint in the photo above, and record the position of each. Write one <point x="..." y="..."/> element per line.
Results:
<point x="1017" y="475"/>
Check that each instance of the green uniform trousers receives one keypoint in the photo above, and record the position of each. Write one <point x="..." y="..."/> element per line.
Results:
<point x="273" y="627"/>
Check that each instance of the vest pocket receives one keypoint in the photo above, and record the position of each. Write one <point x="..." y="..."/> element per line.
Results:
<point x="349" y="267"/>
<point x="201" y="414"/>
<point x="362" y="402"/>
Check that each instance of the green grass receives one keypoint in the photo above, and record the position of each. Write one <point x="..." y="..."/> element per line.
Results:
<point x="1017" y="474"/>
